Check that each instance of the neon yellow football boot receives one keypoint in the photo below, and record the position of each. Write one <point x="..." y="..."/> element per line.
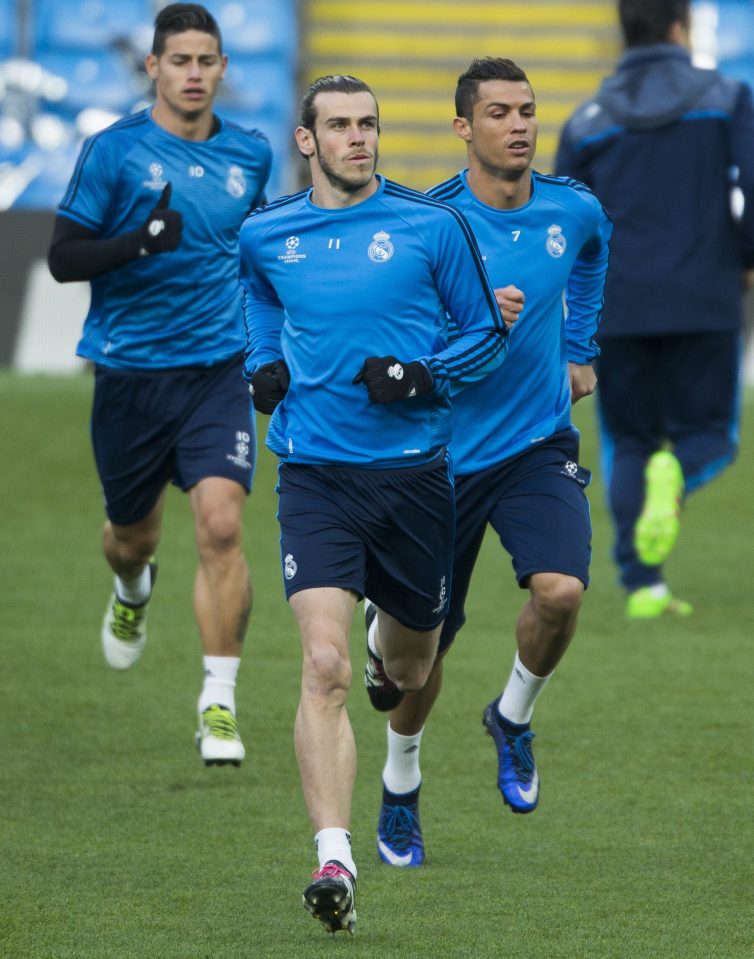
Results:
<point x="649" y="603"/>
<point x="657" y="527"/>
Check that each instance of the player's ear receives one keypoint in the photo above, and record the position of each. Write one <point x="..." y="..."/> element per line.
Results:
<point x="305" y="141"/>
<point x="679" y="32"/>
<point x="150" y="62"/>
<point x="463" y="128"/>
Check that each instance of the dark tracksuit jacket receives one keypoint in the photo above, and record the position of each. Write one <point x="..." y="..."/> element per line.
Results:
<point x="662" y="144"/>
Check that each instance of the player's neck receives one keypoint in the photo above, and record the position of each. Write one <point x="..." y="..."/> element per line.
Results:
<point x="329" y="196"/>
<point x="200" y="127"/>
<point x="496" y="191"/>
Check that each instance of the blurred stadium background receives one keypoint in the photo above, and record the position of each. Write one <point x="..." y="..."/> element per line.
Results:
<point x="70" y="67"/>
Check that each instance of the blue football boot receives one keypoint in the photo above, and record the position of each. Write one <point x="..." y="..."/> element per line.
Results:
<point x="399" y="833"/>
<point x="517" y="776"/>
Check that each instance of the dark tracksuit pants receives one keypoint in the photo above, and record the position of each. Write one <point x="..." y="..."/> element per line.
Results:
<point x="683" y="389"/>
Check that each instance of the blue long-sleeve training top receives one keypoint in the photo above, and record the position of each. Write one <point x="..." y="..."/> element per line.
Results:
<point x="326" y="288"/>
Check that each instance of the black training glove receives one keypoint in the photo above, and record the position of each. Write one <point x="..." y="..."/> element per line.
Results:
<point x="388" y="380"/>
<point x="269" y="385"/>
<point x="162" y="231"/>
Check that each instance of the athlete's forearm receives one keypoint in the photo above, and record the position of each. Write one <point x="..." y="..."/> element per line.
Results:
<point x="469" y="358"/>
<point x="585" y="296"/>
<point x="77" y="253"/>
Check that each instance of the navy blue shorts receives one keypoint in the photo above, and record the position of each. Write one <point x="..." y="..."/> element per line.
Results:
<point x="684" y="387"/>
<point x="180" y="426"/>
<point x="387" y="534"/>
<point x="536" y="503"/>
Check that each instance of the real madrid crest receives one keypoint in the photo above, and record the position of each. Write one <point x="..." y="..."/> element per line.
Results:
<point x="380" y="249"/>
<point x="235" y="183"/>
<point x="556" y="242"/>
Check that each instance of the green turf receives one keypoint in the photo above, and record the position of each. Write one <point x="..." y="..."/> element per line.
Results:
<point x="116" y="842"/>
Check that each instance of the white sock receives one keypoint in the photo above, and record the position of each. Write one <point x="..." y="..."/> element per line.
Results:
<point x="402" y="773"/>
<point x="520" y="693"/>
<point x="659" y="590"/>
<point x="219" y="682"/>
<point x="335" y="843"/>
<point x="136" y="589"/>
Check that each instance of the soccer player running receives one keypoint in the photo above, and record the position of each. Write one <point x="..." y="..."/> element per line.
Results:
<point x="662" y="143"/>
<point x="515" y="451"/>
<point x="349" y="286"/>
<point x="151" y="218"/>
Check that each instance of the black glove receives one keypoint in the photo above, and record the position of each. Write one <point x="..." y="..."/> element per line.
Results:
<point x="269" y="385"/>
<point x="388" y="380"/>
<point x="163" y="228"/>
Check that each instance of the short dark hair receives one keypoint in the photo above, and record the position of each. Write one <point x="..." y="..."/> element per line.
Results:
<point x="180" y="17"/>
<point x="485" y="68"/>
<point x="333" y="83"/>
<point x="648" y="21"/>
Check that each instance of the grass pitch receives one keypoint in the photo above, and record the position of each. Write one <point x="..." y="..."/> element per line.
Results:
<point x="118" y="844"/>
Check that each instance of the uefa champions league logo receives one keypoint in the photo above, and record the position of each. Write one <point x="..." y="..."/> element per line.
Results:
<point x="290" y="255"/>
<point x="155" y="181"/>
<point x="572" y="470"/>
<point x="240" y="455"/>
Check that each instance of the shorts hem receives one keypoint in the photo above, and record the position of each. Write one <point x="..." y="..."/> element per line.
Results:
<point x="300" y="587"/>
<point x="246" y="484"/>
<point x="412" y="625"/>
<point x="577" y="574"/>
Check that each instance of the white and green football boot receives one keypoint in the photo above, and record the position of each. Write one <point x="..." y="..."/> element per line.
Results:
<point x="124" y="628"/>
<point x="218" y="738"/>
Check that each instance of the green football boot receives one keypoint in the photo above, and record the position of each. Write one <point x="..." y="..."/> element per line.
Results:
<point x="657" y="527"/>
<point x="644" y="603"/>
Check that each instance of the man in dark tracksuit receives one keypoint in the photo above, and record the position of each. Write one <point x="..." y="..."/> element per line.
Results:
<point x="669" y="150"/>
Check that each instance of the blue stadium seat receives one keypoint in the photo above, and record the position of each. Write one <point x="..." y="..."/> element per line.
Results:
<point x="733" y="21"/>
<point x="275" y="126"/>
<point x="46" y="190"/>
<point x="8" y="29"/>
<point x="75" y="39"/>
<point x="98" y="78"/>
<point x="258" y="91"/>
<point x="742" y="68"/>
<point x="264" y="26"/>
<point x="85" y="24"/>
<point x="256" y="82"/>
<point x="735" y="38"/>
<point x="15" y="154"/>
